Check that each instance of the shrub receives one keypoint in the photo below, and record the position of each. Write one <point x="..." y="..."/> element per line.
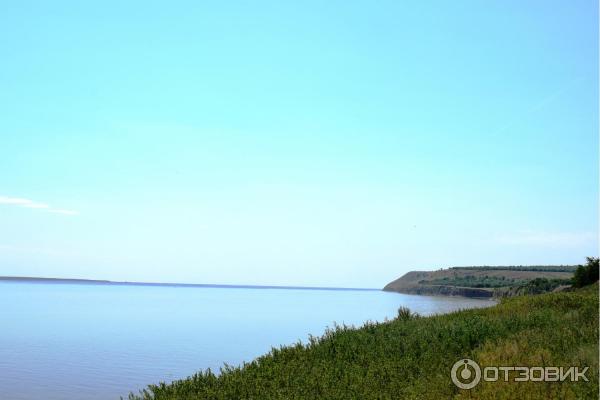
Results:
<point x="404" y="314"/>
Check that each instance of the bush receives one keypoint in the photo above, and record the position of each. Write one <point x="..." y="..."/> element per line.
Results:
<point x="404" y="314"/>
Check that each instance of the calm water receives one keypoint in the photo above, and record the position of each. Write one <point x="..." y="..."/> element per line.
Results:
<point x="60" y="341"/>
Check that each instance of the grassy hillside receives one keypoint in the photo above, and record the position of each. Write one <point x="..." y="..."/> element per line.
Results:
<point x="483" y="281"/>
<point x="411" y="357"/>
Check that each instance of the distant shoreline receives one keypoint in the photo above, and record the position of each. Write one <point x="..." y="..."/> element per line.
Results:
<point x="75" y="281"/>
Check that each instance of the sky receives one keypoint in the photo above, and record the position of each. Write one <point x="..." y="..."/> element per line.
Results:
<point x="338" y="143"/>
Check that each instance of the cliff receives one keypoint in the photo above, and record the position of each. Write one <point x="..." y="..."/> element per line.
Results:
<point x="480" y="282"/>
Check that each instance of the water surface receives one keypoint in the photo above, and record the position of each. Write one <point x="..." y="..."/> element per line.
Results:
<point x="88" y="342"/>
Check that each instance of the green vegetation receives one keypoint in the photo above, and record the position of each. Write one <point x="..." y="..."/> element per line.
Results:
<point x="475" y="281"/>
<point x="411" y="356"/>
<point x="586" y="274"/>
<point x="547" y="268"/>
<point x="538" y="286"/>
<point x="513" y="286"/>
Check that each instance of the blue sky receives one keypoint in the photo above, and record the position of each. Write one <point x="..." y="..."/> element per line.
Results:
<point x="310" y="143"/>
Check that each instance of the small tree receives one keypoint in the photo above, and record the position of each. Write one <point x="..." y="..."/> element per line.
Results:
<point x="592" y="269"/>
<point x="586" y="274"/>
<point x="404" y="314"/>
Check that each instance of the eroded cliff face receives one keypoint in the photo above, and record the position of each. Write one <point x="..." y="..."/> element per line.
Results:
<point x="411" y="283"/>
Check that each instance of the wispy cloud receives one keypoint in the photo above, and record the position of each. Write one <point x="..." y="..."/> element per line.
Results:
<point x="26" y="203"/>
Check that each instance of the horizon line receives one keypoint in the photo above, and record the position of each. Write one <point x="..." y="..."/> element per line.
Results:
<point x="83" y="281"/>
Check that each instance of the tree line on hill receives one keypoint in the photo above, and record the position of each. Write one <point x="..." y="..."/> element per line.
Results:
<point x="546" y="268"/>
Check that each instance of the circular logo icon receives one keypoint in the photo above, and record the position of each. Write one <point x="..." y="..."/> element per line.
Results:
<point x="465" y="373"/>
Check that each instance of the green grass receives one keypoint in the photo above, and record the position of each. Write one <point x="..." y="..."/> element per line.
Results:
<point x="411" y="357"/>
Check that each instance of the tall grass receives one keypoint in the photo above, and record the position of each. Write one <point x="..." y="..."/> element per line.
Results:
<point x="411" y="358"/>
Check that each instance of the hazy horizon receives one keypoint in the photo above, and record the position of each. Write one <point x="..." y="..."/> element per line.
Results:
<point x="84" y="281"/>
<point x="339" y="144"/>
